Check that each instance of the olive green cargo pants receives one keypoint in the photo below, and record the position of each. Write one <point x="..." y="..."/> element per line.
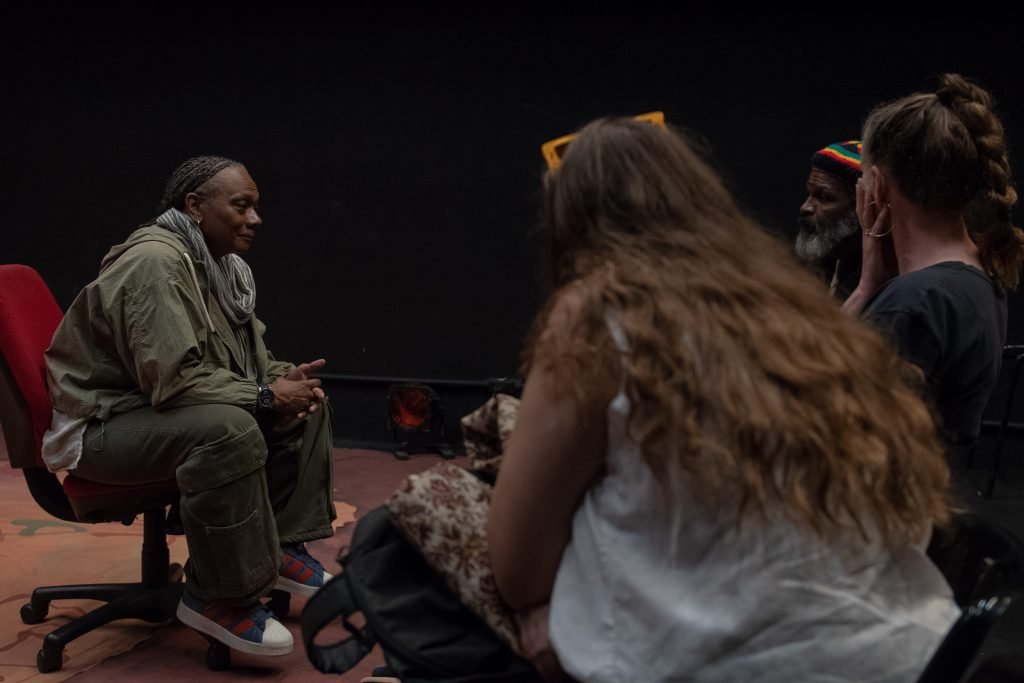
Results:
<point x="247" y="485"/>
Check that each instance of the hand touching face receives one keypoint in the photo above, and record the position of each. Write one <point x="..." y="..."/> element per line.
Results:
<point x="872" y="213"/>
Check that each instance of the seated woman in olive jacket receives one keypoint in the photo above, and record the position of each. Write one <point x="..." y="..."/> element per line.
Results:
<point x="159" y="371"/>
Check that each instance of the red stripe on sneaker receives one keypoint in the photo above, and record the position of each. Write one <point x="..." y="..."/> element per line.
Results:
<point x="293" y="568"/>
<point x="228" y="618"/>
<point x="242" y="626"/>
<point x="216" y="613"/>
<point x="298" y="571"/>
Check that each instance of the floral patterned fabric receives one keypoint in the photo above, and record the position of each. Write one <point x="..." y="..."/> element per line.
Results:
<point x="443" y="512"/>
<point x="486" y="431"/>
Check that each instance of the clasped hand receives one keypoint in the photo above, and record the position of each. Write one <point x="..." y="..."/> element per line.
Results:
<point x="298" y="393"/>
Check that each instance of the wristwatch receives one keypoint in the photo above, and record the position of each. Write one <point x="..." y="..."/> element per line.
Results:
<point x="264" y="397"/>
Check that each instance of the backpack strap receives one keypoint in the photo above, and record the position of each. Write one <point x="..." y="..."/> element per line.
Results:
<point x="335" y="600"/>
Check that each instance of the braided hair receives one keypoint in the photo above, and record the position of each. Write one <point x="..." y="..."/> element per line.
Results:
<point x="190" y="176"/>
<point x="946" y="150"/>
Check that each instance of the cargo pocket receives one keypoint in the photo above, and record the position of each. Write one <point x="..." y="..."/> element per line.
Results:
<point x="239" y="555"/>
<point x="229" y="526"/>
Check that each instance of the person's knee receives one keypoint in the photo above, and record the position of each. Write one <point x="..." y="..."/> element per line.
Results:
<point x="321" y="419"/>
<point x="218" y="421"/>
<point x="235" y="447"/>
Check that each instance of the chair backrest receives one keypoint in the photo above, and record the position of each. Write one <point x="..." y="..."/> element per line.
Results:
<point x="962" y="643"/>
<point x="29" y="315"/>
<point x="979" y="558"/>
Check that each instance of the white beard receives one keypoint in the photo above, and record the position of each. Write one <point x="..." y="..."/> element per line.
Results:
<point x="812" y="247"/>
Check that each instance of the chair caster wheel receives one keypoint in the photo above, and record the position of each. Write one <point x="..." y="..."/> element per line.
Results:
<point x="49" y="660"/>
<point x="34" y="614"/>
<point x="218" y="657"/>
<point x="280" y="603"/>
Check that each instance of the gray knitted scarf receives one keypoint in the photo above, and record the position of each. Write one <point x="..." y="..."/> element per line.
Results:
<point x="230" y="276"/>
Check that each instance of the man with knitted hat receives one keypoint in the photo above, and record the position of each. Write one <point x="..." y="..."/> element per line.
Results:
<point x="829" y="237"/>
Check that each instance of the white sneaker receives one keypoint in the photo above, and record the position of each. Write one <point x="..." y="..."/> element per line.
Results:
<point x="300" y="574"/>
<point x="250" y="629"/>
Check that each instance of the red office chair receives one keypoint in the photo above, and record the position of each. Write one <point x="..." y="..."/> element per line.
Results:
<point x="28" y="318"/>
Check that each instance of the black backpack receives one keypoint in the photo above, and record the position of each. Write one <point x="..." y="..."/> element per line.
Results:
<point x="425" y="631"/>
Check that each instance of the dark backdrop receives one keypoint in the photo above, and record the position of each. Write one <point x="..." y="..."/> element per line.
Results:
<point x="398" y="152"/>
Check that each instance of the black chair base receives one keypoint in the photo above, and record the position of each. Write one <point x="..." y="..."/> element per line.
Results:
<point x="154" y="599"/>
<point x="124" y="601"/>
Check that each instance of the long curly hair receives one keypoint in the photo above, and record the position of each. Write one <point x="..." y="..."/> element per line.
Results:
<point x="743" y="374"/>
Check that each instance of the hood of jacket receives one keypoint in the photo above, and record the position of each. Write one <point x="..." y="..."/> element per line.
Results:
<point x="147" y="233"/>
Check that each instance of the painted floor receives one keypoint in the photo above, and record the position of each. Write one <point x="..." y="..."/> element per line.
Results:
<point x="36" y="550"/>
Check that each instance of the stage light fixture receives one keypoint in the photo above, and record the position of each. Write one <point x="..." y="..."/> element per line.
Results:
<point x="416" y="420"/>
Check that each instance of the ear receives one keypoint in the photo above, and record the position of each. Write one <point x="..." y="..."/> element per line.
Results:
<point x="882" y="182"/>
<point x="192" y="204"/>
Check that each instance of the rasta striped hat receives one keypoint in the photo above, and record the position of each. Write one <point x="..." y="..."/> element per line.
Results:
<point x="841" y="159"/>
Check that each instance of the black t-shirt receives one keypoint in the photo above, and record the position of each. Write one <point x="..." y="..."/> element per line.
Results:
<point x="950" y="320"/>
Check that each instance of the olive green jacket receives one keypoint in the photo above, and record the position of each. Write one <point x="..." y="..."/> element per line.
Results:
<point x="148" y="332"/>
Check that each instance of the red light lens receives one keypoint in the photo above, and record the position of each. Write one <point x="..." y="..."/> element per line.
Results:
<point x="410" y="407"/>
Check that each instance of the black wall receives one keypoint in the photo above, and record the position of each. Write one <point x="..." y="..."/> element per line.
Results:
<point x="398" y="155"/>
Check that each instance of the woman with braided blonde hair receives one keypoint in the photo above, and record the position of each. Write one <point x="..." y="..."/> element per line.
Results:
<point x="715" y="475"/>
<point x="939" y="246"/>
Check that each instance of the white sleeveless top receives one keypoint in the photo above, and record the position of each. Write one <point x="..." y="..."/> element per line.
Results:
<point x="635" y="600"/>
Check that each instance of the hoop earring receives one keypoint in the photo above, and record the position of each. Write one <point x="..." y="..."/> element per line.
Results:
<point x="879" y="234"/>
